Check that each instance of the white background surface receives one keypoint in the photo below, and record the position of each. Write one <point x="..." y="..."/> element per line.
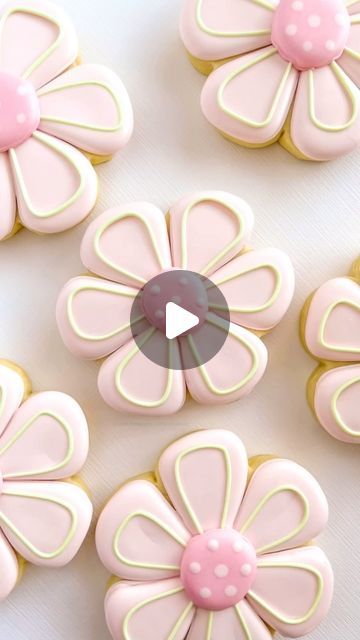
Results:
<point x="311" y="211"/>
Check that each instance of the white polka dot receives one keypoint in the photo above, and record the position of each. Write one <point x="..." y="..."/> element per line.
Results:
<point x="230" y="591"/>
<point x="307" y="46"/>
<point x="330" y="45"/>
<point x="20" y="118"/>
<point x="159" y="314"/>
<point x="221" y="571"/>
<point x="314" y="20"/>
<point x="22" y="89"/>
<point x="238" y="546"/>
<point x="291" y="30"/>
<point x="245" y="570"/>
<point x="195" y="568"/>
<point x="297" y="5"/>
<point x="155" y="289"/>
<point x="183" y="281"/>
<point x="213" y="545"/>
<point x="340" y="19"/>
<point x="176" y="299"/>
<point x="205" y="593"/>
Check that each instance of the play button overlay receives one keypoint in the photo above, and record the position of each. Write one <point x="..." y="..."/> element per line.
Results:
<point x="180" y="319"/>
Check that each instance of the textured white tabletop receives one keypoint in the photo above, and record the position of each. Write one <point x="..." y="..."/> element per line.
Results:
<point x="310" y="211"/>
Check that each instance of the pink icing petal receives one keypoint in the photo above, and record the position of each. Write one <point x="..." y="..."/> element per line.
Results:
<point x="149" y="611"/>
<point x="89" y="107"/>
<point x="139" y="536"/>
<point x="353" y="6"/>
<point x="249" y="98"/>
<point x="46" y="439"/>
<point x="310" y="33"/>
<point x="293" y="590"/>
<point x="8" y="207"/>
<point x="196" y="477"/>
<point x="217" y="30"/>
<point x="284" y="507"/>
<point x="233" y="372"/>
<point x="46" y="522"/>
<point x="332" y="330"/>
<point x="337" y="401"/>
<point x="68" y="193"/>
<point x="108" y="244"/>
<point x="93" y="316"/>
<point x="9" y="568"/>
<point x="207" y="229"/>
<point x="12" y="390"/>
<point x="350" y="60"/>
<point x="329" y="125"/>
<point x="129" y="381"/>
<point x="48" y="40"/>
<point x="235" y="623"/>
<point x="258" y="287"/>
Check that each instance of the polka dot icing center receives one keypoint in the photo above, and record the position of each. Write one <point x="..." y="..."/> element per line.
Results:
<point x="19" y="111"/>
<point x="218" y="569"/>
<point x="310" y="33"/>
<point x="186" y="289"/>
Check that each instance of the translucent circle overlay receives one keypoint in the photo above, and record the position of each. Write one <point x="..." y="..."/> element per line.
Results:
<point x="194" y="293"/>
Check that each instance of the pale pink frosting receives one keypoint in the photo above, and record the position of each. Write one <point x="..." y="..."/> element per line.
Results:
<point x="293" y="64"/>
<point x="208" y="232"/>
<point x="48" y="114"/>
<point x="331" y="335"/>
<point x="223" y="555"/>
<point x="43" y="441"/>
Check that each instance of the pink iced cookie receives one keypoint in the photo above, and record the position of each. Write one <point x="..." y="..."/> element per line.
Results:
<point x="43" y="441"/>
<point x="130" y="248"/>
<point x="49" y="110"/>
<point x="212" y="554"/>
<point x="331" y="330"/>
<point x="294" y="73"/>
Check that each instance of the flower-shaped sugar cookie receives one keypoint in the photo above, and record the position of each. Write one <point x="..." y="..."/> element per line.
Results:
<point x="130" y="246"/>
<point x="211" y="547"/>
<point x="331" y="334"/>
<point x="280" y="70"/>
<point x="43" y="441"/>
<point x="48" y="111"/>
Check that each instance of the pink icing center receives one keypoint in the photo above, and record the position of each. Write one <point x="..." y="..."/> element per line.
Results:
<point x="218" y="569"/>
<point x="184" y="288"/>
<point x="1" y="482"/>
<point x="19" y="111"/>
<point x="310" y="33"/>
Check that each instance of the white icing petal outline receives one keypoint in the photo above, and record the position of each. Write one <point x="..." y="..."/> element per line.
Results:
<point x="59" y="147"/>
<point x="45" y="498"/>
<point x="232" y="34"/>
<point x="106" y="289"/>
<point x="40" y="14"/>
<point x="257" y="60"/>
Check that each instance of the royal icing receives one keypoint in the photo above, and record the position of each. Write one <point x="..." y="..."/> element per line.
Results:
<point x="331" y="334"/>
<point x="226" y="557"/>
<point x="294" y="73"/>
<point x="207" y="232"/>
<point x="43" y="441"/>
<point x="50" y="114"/>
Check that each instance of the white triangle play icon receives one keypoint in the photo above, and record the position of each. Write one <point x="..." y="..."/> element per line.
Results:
<point x="178" y="320"/>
